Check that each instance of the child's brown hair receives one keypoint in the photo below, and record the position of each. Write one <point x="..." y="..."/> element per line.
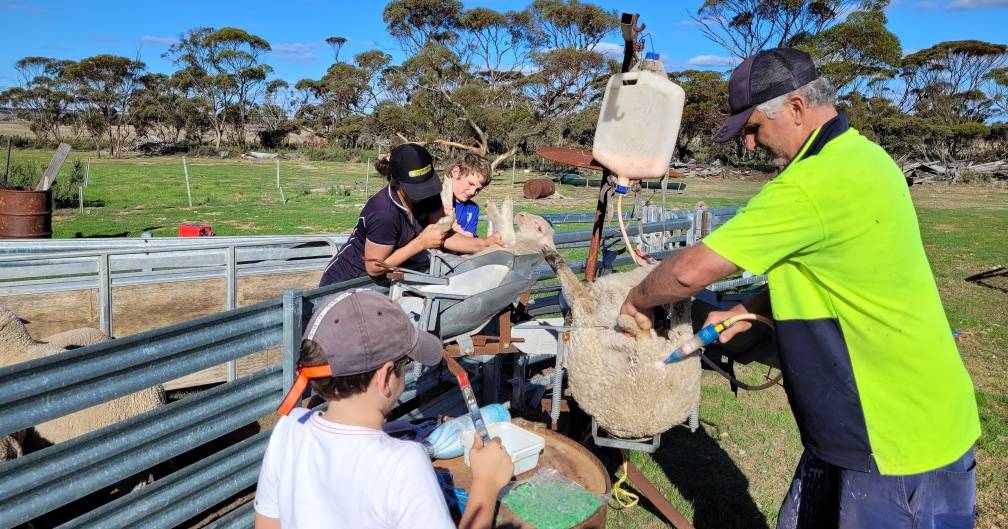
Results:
<point x="336" y="388"/>
<point x="472" y="163"/>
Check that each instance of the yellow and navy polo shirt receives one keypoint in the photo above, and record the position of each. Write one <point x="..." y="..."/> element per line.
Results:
<point x="870" y="365"/>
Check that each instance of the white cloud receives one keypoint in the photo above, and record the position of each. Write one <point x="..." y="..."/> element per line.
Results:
<point x="609" y="49"/>
<point x="159" y="41"/>
<point x="34" y="8"/>
<point x="294" y="47"/>
<point x="295" y="57"/>
<point x="712" y="60"/>
<point x="977" y="4"/>
<point x="294" y="52"/>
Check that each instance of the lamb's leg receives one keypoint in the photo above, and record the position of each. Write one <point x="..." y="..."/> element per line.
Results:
<point x="503" y="224"/>
<point x="582" y="308"/>
<point x="507" y="208"/>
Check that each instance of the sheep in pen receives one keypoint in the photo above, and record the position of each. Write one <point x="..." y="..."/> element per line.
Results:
<point x="608" y="370"/>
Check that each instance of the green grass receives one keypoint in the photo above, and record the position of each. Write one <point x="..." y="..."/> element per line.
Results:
<point x="733" y="472"/>
<point x="237" y="197"/>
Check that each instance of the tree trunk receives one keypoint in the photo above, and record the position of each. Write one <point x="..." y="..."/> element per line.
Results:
<point x="502" y="157"/>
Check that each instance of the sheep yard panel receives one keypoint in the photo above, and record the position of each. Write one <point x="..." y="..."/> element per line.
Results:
<point x="46" y="388"/>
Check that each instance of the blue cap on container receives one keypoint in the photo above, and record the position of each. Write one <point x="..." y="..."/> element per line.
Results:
<point x="651" y="56"/>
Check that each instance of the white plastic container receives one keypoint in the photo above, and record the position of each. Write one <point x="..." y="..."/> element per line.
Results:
<point x="522" y="445"/>
<point x="638" y="125"/>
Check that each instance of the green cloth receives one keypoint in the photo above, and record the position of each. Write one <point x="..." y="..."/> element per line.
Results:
<point x="552" y="504"/>
<point x="837" y="235"/>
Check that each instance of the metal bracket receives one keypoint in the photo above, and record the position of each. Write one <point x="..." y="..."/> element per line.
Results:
<point x="641" y="445"/>
<point x="466" y="345"/>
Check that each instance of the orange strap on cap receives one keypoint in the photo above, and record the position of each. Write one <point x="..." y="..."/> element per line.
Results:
<point x="300" y="383"/>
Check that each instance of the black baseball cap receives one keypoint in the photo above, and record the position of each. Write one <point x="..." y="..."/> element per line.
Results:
<point x="760" y="78"/>
<point x="413" y="167"/>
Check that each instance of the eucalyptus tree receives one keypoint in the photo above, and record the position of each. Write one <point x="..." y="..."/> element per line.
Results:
<point x="222" y="68"/>
<point x="945" y="81"/>
<point x="744" y="27"/>
<point x="42" y="97"/>
<point x="487" y="81"/>
<point x="105" y="87"/>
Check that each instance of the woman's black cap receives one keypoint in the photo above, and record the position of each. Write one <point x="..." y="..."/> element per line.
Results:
<point x="413" y="167"/>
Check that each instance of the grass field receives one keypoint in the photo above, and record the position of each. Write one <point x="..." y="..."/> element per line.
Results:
<point x="734" y="471"/>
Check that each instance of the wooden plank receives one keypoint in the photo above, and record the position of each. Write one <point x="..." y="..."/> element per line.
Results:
<point x="49" y="176"/>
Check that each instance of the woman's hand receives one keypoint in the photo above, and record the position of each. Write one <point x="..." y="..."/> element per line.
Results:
<point x="432" y="236"/>
<point x="495" y="239"/>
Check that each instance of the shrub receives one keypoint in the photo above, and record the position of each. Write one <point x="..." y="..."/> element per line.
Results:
<point x="25" y="142"/>
<point x="27" y="173"/>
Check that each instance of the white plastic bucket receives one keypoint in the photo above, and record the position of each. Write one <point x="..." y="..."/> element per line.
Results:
<point x="522" y="445"/>
<point x="638" y="125"/>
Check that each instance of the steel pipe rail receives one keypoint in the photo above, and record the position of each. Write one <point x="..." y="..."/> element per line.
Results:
<point x="41" y="246"/>
<point x="185" y="493"/>
<point x="70" y="470"/>
<point x="50" y="387"/>
<point x="568" y="237"/>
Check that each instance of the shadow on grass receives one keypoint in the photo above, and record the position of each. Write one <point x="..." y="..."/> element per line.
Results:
<point x="80" y="235"/>
<point x="705" y="475"/>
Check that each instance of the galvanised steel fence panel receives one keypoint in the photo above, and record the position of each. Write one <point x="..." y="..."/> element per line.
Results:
<point x="46" y="388"/>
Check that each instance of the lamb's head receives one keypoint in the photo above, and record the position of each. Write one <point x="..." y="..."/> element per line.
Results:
<point x="534" y="229"/>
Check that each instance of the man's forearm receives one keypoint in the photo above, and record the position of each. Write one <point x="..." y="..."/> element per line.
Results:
<point x="661" y="287"/>
<point x="680" y="276"/>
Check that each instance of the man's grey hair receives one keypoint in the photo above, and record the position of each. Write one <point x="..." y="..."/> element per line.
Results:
<point x="818" y="93"/>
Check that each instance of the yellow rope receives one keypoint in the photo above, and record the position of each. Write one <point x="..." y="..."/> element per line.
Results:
<point x="622" y="498"/>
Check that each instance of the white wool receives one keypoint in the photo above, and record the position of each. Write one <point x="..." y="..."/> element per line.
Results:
<point x="17" y="346"/>
<point x="618" y="379"/>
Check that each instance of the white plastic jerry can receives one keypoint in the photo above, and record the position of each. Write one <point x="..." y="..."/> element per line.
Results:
<point x="637" y="128"/>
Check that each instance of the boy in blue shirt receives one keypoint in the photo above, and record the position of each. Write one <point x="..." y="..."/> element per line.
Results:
<point x="470" y="174"/>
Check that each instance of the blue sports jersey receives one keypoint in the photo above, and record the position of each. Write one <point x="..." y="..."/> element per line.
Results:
<point x="467" y="215"/>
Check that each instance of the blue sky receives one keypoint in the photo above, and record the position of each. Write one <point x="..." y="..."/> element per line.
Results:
<point x="297" y="28"/>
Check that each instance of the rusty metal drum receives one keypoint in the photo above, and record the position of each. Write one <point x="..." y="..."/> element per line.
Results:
<point x="538" y="188"/>
<point x="25" y="214"/>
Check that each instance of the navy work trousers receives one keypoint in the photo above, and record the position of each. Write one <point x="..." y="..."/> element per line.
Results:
<point x="826" y="496"/>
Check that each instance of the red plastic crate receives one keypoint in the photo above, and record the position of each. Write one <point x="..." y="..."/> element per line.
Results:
<point x="195" y="230"/>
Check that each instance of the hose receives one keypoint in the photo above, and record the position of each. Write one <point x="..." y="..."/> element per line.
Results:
<point x="694" y="346"/>
<point x="626" y="238"/>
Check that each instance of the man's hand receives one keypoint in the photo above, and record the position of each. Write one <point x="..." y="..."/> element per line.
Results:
<point x="644" y="316"/>
<point x="432" y="237"/>
<point x="718" y="316"/>
<point x="491" y="465"/>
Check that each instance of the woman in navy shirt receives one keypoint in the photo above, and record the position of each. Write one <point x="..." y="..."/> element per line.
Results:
<point x="395" y="226"/>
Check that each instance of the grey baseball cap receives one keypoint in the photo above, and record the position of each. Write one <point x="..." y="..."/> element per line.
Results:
<point x="760" y="78"/>
<point x="360" y="330"/>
